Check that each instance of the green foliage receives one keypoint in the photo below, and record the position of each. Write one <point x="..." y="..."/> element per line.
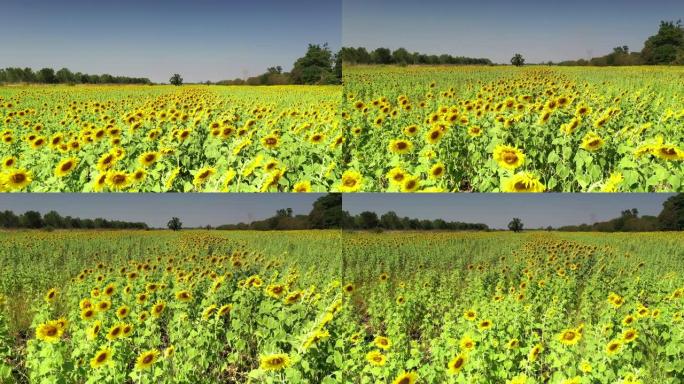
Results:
<point x="315" y="67"/>
<point x="360" y="55"/>
<point x="516" y="225"/>
<point x="518" y="60"/>
<point x="671" y="218"/>
<point x="63" y="76"/>
<point x="174" y="224"/>
<point x="176" y="80"/>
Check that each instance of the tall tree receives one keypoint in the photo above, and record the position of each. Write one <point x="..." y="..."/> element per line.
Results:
<point x="516" y="225"/>
<point x="671" y="218"/>
<point x="174" y="224"/>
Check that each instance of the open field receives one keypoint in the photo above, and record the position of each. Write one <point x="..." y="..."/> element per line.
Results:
<point x="164" y="138"/>
<point x="512" y="129"/>
<point x="153" y="307"/>
<point x="529" y="308"/>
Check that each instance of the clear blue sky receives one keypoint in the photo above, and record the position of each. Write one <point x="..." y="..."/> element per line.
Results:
<point x="496" y="29"/>
<point x="496" y="210"/>
<point x="156" y="209"/>
<point x="200" y="39"/>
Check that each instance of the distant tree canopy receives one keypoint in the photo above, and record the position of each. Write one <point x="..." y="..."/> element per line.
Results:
<point x="391" y="221"/>
<point x="326" y="214"/>
<point x="174" y="224"/>
<point x="518" y="60"/>
<point x="516" y="225"/>
<point x="401" y="56"/>
<point x="664" y="48"/>
<point x="671" y="218"/>
<point x="53" y="220"/>
<point x="318" y="66"/>
<point x="63" y="76"/>
<point x="176" y="79"/>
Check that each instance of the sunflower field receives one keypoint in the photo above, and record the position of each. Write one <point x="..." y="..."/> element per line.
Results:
<point x="508" y="129"/>
<point x="155" y="307"/>
<point x="164" y="138"/>
<point x="515" y="308"/>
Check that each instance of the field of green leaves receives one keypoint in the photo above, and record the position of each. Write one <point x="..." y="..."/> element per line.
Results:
<point x="163" y="138"/>
<point x="516" y="308"/>
<point x="507" y="129"/>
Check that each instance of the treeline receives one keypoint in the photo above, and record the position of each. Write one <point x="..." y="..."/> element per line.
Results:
<point x="53" y="220"/>
<point x="325" y="214"/>
<point x="401" y="56"/>
<point x="63" y="76"/>
<point x="318" y="66"/>
<point x="391" y="221"/>
<point x="664" y="48"/>
<point x="671" y="218"/>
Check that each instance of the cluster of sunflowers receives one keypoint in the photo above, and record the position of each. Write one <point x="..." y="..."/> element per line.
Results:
<point x="502" y="129"/>
<point x="557" y="308"/>
<point x="158" y="139"/>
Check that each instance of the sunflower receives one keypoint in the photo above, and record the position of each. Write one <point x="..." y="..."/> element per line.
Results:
<point x="275" y="290"/>
<point x="51" y="295"/>
<point x="592" y="142"/>
<point x="474" y="131"/>
<point x="411" y="130"/>
<point x="158" y="308"/>
<point x="613" y="347"/>
<point x="523" y="182"/>
<point x="456" y="364"/>
<point x="437" y="171"/>
<point x="122" y="312"/>
<point x="382" y="342"/>
<point x="146" y="359"/>
<point x="101" y="358"/>
<point x="485" y="325"/>
<point x="50" y="331"/>
<point x="317" y="138"/>
<point x="668" y="152"/>
<point x="410" y="184"/>
<point x="314" y="338"/>
<point x="117" y="180"/>
<point x="396" y="175"/>
<point x="351" y="181"/>
<point x="569" y="337"/>
<point x="274" y="362"/>
<point x="147" y="159"/>
<point x="534" y="352"/>
<point x="115" y="332"/>
<point x="88" y="314"/>
<point x="508" y="157"/>
<point x="434" y="135"/>
<point x="224" y="310"/>
<point x="629" y="335"/>
<point x="183" y="296"/>
<point x="17" y="179"/>
<point x="106" y="162"/>
<point x="400" y="146"/>
<point x="9" y="162"/>
<point x="513" y="343"/>
<point x="270" y="141"/>
<point x="406" y="378"/>
<point x="376" y="359"/>
<point x="202" y="176"/>
<point x="467" y="343"/>
<point x="470" y="315"/>
<point x="302" y="187"/>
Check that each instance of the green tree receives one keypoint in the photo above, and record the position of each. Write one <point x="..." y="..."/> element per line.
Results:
<point x="518" y="60"/>
<point x="327" y="212"/>
<point x="316" y="67"/>
<point x="176" y="79"/>
<point x="174" y="224"/>
<point x="515" y="225"/>
<point x="671" y="218"/>
<point x="665" y="46"/>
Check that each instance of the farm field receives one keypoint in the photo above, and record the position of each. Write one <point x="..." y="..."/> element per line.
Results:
<point x="527" y="308"/>
<point x="163" y="307"/>
<point x="164" y="138"/>
<point x="508" y="129"/>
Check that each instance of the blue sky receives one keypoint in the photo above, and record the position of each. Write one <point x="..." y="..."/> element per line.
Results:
<point x="496" y="210"/>
<point x="156" y="209"/>
<point x="200" y="39"/>
<point x="496" y="29"/>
